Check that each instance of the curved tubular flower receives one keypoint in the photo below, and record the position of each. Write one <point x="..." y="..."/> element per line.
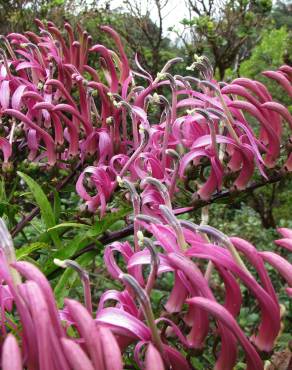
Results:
<point x="227" y="356"/>
<point x="123" y="324"/>
<point x="154" y="261"/>
<point x="17" y="96"/>
<point x="6" y="148"/>
<point x="124" y="301"/>
<point x="5" y="94"/>
<point x="256" y="260"/>
<point x="287" y="233"/>
<point x="49" y="142"/>
<point x="88" y="330"/>
<point x="84" y="278"/>
<point x="145" y="304"/>
<point x="114" y="83"/>
<point x="106" y="106"/>
<point x="243" y="92"/>
<point x="253" y="360"/>
<point x="69" y="109"/>
<point x="274" y="143"/>
<point x="256" y="87"/>
<point x="279" y="108"/>
<point x="126" y="250"/>
<point x="136" y="202"/>
<point x="125" y="63"/>
<point x="111" y="352"/>
<point x="64" y="49"/>
<point x="233" y="298"/>
<point x="287" y="70"/>
<point x="46" y="338"/>
<point x="281" y="79"/>
<point x="160" y="187"/>
<point x="29" y="341"/>
<point x="267" y="332"/>
<point x="215" y="178"/>
<point x="175" y="225"/>
<point x="245" y="156"/>
<point x="59" y="139"/>
<point x="177" y="295"/>
<point x="32" y="273"/>
<point x="104" y="184"/>
<point x="60" y="86"/>
<point x="280" y="264"/>
<point x="286" y="242"/>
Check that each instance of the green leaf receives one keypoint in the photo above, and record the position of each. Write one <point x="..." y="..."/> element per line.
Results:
<point x="57" y="205"/>
<point x="197" y="364"/>
<point x="82" y="239"/>
<point x="42" y="201"/>
<point x="28" y="249"/>
<point x="69" y="250"/>
<point x="102" y="225"/>
<point x="2" y="190"/>
<point x="69" y="224"/>
<point x="69" y="277"/>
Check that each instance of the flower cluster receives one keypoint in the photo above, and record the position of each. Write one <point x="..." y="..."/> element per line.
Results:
<point x="193" y="254"/>
<point x="57" y="109"/>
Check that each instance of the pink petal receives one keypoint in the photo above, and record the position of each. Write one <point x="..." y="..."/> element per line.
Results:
<point x="153" y="359"/>
<point x="88" y="331"/>
<point x="111" y="352"/>
<point x="4" y="94"/>
<point x="287" y="233"/>
<point x="176" y="359"/>
<point x="270" y="323"/>
<point x="280" y="264"/>
<point x="123" y="323"/>
<point x="281" y="79"/>
<point x="31" y="272"/>
<point x="286" y="243"/>
<point x="125" y="63"/>
<point x="76" y="356"/>
<point x="17" y="96"/>
<point x="11" y="356"/>
<point x="255" y="259"/>
<point x="6" y="148"/>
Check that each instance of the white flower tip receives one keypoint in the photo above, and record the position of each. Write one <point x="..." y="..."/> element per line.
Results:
<point x="141" y="130"/>
<point x="190" y="111"/>
<point x="155" y="98"/>
<point x="60" y="263"/>
<point x="120" y="181"/>
<point x="117" y="104"/>
<point x="282" y="310"/>
<point x="140" y="236"/>
<point x="160" y="76"/>
<point x="109" y="120"/>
